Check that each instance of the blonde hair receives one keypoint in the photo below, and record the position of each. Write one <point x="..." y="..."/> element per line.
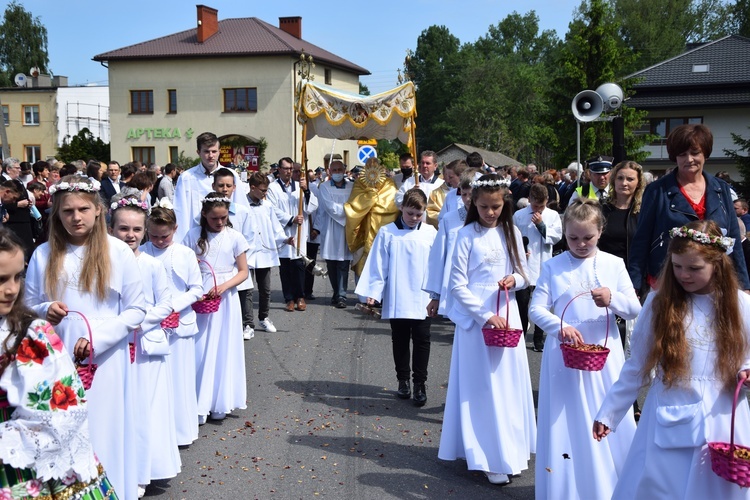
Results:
<point x="584" y="210"/>
<point x="97" y="268"/>
<point x="638" y="194"/>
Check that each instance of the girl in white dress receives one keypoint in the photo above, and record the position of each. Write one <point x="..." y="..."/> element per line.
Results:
<point x="219" y="353"/>
<point x="569" y="464"/>
<point x="158" y="457"/>
<point x="80" y="268"/>
<point x="489" y="409"/>
<point x="692" y="353"/>
<point x="186" y="286"/>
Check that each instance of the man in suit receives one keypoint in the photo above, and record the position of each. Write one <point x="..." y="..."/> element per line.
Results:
<point x="111" y="183"/>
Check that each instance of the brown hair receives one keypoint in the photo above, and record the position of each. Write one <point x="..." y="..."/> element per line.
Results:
<point x="670" y="350"/>
<point x="538" y="193"/>
<point x="638" y="195"/>
<point x="258" y="179"/>
<point x="685" y="137"/>
<point x="207" y="207"/>
<point x="415" y="198"/>
<point x="162" y="217"/>
<point x="97" y="268"/>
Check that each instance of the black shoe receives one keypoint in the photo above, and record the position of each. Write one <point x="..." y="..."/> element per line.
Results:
<point x="420" y="394"/>
<point x="341" y="304"/>
<point x="310" y="296"/>
<point x="404" y="389"/>
<point x="334" y="301"/>
<point x="538" y="349"/>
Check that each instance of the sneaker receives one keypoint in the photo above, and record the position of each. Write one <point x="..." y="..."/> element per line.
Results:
<point x="218" y="416"/>
<point x="497" y="478"/>
<point x="141" y="490"/>
<point x="267" y="325"/>
<point x="341" y="304"/>
<point x="248" y="333"/>
<point x="202" y="419"/>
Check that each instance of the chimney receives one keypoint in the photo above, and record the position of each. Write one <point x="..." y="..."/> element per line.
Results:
<point x="292" y="25"/>
<point x="208" y="22"/>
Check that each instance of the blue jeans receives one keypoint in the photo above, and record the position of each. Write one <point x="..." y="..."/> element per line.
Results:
<point x="338" y="274"/>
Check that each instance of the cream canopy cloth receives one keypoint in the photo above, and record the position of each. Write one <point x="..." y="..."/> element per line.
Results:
<point x="334" y="114"/>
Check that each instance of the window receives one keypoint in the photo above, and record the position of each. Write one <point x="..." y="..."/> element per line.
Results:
<point x="661" y="127"/>
<point x="240" y="100"/>
<point x="173" y="154"/>
<point x="172" y="98"/>
<point x="31" y="115"/>
<point x="328" y="76"/>
<point x="141" y="102"/>
<point x="700" y="68"/>
<point x="32" y="153"/>
<point x="146" y="156"/>
<point x="6" y="115"/>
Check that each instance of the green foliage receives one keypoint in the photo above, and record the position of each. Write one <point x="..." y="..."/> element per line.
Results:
<point x="83" y="146"/>
<point x="389" y="160"/>
<point x="363" y="90"/>
<point x="389" y="151"/>
<point x="186" y="162"/>
<point x="739" y="18"/>
<point x="742" y="161"/>
<point x="23" y="43"/>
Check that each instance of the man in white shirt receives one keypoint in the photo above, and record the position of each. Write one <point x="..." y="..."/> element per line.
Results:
<point x="195" y="183"/>
<point x="428" y="180"/>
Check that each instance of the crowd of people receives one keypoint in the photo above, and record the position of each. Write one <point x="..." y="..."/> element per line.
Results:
<point x="144" y="278"/>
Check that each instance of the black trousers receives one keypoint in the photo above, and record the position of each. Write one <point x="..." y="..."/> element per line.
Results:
<point x="523" y="299"/>
<point x="262" y="278"/>
<point x="292" y="272"/>
<point x="312" y="252"/>
<point x="405" y="332"/>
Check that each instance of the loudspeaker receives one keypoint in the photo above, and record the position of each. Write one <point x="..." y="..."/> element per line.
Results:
<point x="611" y="95"/>
<point x="587" y="106"/>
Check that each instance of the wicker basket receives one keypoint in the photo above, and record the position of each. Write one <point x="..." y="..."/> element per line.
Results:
<point x="587" y="357"/>
<point x="171" y="321"/>
<point x="207" y="305"/>
<point x="723" y="460"/>
<point x="86" y="371"/>
<point x="502" y="337"/>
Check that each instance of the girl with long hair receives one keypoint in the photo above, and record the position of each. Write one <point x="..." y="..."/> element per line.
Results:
<point x="489" y="409"/>
<point x="585" y="280"/>
<point x="40" y="393"/>
<point x="158" y="457"/>
<point x="219" y="353"/>
<point x="186" y="286"/>
<point x="80" y="268"/>
<point x="692" y="353"/>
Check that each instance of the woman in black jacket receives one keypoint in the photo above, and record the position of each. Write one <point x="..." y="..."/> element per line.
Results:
<point x="19" y="212"/>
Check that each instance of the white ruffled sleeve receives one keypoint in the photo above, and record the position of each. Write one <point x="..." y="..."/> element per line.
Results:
<point x="48" y="430"/>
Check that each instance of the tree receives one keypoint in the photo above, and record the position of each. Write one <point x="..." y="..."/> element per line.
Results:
<point x="363" y="90"/>
<point x="592" y="54"/>
<point x="742" y="161"/>
<point x="83" y="146"/>
<point x="23" y="43"/>
<point x="740" y="18"/>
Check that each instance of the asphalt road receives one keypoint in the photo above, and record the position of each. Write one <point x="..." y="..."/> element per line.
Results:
<point x="322" y="419"/>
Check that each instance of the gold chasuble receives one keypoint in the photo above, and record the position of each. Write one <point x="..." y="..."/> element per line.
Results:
<point x="371" y="206"/>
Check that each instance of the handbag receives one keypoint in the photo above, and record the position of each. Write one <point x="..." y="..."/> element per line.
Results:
<point x="155" y="343"/>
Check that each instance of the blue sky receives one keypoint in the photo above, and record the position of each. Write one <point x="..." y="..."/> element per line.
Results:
<point x="374" y="35"/>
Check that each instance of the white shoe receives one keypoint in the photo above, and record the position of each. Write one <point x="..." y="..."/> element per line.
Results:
<point x="141" y="490"/>
<point x="267" y="325"/>
<point x="218" y="416"/>
<point x="497" y="478"/>
<point x="248" y="333"/>
<point x="202" y="419"/>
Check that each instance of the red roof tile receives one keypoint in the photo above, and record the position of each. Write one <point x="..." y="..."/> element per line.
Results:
<point x="247" y="36"/>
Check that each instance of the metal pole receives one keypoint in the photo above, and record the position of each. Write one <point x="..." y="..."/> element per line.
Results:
<point x="578" y="153"/>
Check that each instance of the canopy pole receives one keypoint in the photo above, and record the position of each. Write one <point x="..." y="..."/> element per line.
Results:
<point x="413" y="150"/>
<point x="303" y="172"/>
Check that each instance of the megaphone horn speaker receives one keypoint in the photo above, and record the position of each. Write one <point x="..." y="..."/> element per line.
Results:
<point x="587" y="106"/>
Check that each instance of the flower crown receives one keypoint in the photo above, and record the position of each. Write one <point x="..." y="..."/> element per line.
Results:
<point x="88" y="187"/>
<point x="491" y="183"/>
<point x="223" y="199"/>
<point x="724" y="242"/>
<point x="129" y="202"/>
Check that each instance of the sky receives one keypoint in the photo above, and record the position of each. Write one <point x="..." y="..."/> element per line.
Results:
<point x="373" y="35"/>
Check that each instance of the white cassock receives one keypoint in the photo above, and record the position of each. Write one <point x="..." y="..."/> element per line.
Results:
<point x="395" y="268"/>
<point x="192" y="186"/>
<point x="452" y="202"/>
<point x="239" y="216"/>
<point x="654" y="468"/>
<point x="112" y="412"/>
<point x="570" y="398"/>
<point x="158" y="456"/>
<point x="269" y="236"/>
<point x="331" y="221"/>
<point x="441" y="258"/>
<point x="425" y="187"/>
<point x="186" y="287"/>
<point x="285" y="202"/>
<point x="540" y="247"/>
<point x="489" y="409"/>
<point x="219" y="349"/>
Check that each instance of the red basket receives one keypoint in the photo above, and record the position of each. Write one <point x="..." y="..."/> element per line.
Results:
<point x="86" y="371"/>
<point x="171" y="321"/>
<point x="207" y="305"/>
<point x="723" y="461"/>
<point x="502" y="337"/>
<point x="587" y="357"/>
